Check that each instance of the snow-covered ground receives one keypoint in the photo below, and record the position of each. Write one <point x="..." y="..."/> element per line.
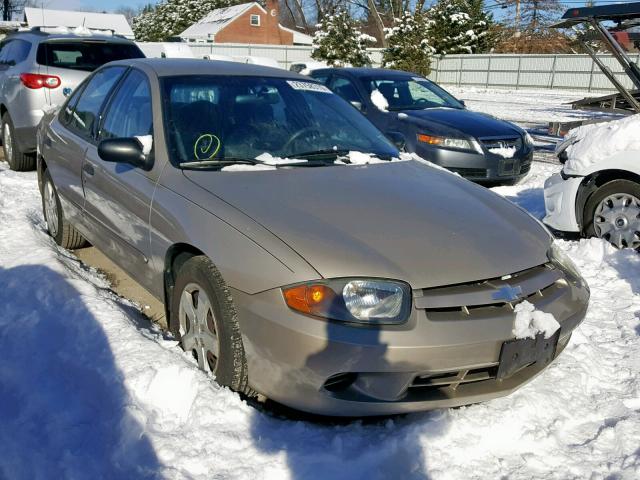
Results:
<point x="90" y="389"/>
<point x="527" y="107"/>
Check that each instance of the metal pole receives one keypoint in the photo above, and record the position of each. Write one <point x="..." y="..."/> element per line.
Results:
<point x="518" y="77"/>
<point x="593" y="67"/>
<point x="553" y="70"/>
<point x="486" y="84"/>
<point x="460" y="71"/>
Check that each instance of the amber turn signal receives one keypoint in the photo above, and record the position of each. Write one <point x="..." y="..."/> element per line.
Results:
<point x="430" y="139"/>
<point x="308" y="298"/>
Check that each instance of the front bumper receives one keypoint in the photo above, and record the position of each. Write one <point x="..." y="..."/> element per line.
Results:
<point x="434" y="360"/>
<point x="560" y="203"/>
<point x="477" y="167"/>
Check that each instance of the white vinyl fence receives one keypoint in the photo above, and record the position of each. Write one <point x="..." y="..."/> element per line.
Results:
<point x="570" y="72"/>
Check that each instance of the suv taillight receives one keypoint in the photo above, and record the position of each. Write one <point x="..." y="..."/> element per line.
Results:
<point x="35" y="81"/>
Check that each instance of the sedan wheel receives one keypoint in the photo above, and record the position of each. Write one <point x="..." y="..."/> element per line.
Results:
<point x="198" y="327"/>
<point x="50" y="208"/>
<point x="7" y="141"/>
<point x="617" y="220"/>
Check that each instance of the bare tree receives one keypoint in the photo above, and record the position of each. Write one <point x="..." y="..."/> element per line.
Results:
<point x="12" y="7"/>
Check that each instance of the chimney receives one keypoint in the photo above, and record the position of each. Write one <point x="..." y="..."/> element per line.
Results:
<point x="273" y="19"/>
<point x="273" y="9"/>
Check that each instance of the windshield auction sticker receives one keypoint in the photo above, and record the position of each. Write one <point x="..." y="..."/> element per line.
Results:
<point x="312" y="87"/>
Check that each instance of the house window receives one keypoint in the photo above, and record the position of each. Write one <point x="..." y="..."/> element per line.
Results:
<point x="255" y="20"/>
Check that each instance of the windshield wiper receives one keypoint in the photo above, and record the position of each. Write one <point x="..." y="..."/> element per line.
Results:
<point x="321" y="152"/>
<point x="201" y="164"/>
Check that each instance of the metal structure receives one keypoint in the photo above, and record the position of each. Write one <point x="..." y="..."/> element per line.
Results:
<point x="593" y="17"/>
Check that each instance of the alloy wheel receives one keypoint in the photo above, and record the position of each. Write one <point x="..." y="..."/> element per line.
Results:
<point x="617" y="220"/>
<point x="51" y="209"/>
<point x="7" y="141"/>
<point x="198" y="327"/>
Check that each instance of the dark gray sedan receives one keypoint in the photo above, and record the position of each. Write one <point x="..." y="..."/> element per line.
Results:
<point x="433" y="123"/>
<point x="296" y="255"/>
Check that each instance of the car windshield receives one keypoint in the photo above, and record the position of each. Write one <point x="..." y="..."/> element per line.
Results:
<point x="85" y="55"/>
<point x="222" y="118"/>
<point x="411" y="93"/>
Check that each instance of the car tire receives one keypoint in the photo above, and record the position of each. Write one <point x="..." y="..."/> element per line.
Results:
<point x="58" y="227"/>
<point x="210" y="330"/>
<point x="613" y="212"/>
<point x="17" y="160"/>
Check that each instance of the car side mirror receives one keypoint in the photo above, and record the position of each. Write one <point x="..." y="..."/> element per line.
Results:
<point x="397" y="139"/>
<point x="124" y="150"/>
<point x="463" y="104"/>
<point x="356" y="104"/>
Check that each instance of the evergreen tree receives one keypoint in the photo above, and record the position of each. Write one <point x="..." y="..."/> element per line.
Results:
<point x="172" y="17"/>
<point x="408" y="45"/>
<point x="458" y="26"/>
<point x="339" y="42"/>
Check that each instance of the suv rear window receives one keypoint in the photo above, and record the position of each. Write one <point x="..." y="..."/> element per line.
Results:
<point x="85" y="55"/>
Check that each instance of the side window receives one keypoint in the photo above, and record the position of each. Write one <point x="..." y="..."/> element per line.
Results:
<point x="19" y="51"/>
<point x="86" y="111"/>
<point x="66" y="114"/>
<point x="130" y="112"/>
<point x="346" y="89"/>
<point x="5" y="52"/>
<point x="323" y="77"/>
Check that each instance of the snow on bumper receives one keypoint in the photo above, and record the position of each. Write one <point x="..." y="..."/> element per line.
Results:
<point x="560" y="203"/>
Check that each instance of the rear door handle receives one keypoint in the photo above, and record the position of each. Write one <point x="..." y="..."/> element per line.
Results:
<point x="88" y="170"/>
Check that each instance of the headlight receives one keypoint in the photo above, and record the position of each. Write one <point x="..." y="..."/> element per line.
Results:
<point x="561" y="260"/>
<point x="355" y="300"/>
<point x="450" y="142"/>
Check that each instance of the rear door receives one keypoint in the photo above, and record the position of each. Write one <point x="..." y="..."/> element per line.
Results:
<point x="118" y="196"/>
<point x="71" y="133"/>
<point x="72" y="60"/>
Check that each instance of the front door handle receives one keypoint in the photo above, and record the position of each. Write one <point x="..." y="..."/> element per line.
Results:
<point x="88" y="170"/>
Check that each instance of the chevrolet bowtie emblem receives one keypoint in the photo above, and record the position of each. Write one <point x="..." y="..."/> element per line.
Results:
<point x="508" y="293"/>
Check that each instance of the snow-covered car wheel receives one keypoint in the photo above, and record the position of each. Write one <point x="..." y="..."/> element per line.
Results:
<point x="17" y="160"/>
<point x="204" y="320"/>
<point x="60" y="229"/>
<point x="613" y="213"/>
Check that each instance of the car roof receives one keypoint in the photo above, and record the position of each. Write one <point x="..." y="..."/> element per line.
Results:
<point x="40" y="36"/>
<point x="170" y="67"/>
<point x="366" y="71"/>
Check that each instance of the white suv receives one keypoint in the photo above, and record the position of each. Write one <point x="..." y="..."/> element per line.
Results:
<point x="597" y="193"/>
<point x="37" y="71"/>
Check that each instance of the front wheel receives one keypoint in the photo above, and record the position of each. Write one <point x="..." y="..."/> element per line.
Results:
<point x="204" y="320"/>
<point x="613" y="213"/>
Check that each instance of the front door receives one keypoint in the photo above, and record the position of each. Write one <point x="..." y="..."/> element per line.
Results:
<point x="117" y="195"/>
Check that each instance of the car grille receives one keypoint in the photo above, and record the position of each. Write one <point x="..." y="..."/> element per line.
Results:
<point x="453" y="379"/>
<point x="524" y="168"/>
<point x="490" y="297"/>
<point x="469" y="172"/>
<point x="502" y="142"/>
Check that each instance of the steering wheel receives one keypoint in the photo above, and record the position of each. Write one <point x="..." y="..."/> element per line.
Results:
<point x="298" y="135"/>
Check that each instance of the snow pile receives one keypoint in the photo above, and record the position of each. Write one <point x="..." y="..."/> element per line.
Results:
<point x="90" y="389"/>
<point x="241" y="167"/>
<point x="269" y="159"/>
<point x="378" y="99"/>
<point x="505" y="152"/>
<point x="597" y="142"/>
<point x="147" y="143"/>
<point x="529" y="322"/>
<point x="359" y="158"/>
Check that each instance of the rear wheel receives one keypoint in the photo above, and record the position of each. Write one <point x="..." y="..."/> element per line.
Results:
<point x="16" y="159"/>
<point x="613" y="213"/>
<point x="204" y="320"/>
<point x="60" y="229"/>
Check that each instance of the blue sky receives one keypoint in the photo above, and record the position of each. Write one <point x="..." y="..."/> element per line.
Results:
<point x="109" y="5"/>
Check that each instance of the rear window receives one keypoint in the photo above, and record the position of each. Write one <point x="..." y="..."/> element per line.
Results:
<point x="85" y="56"/>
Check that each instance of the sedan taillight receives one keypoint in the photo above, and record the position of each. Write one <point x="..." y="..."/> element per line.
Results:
<point x="36" y="81"/>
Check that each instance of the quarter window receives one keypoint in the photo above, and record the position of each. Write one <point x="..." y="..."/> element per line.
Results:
<point x="130" y="113"/>
<point x="255" y="20"/>
<point x="84" y="115"/>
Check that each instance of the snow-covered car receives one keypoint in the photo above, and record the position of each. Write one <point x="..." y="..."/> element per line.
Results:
<point x="429" y="121"/>
<point x="597" y="193"/>
<point x="305" y="68"/>
<point x="297" y="256"/>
